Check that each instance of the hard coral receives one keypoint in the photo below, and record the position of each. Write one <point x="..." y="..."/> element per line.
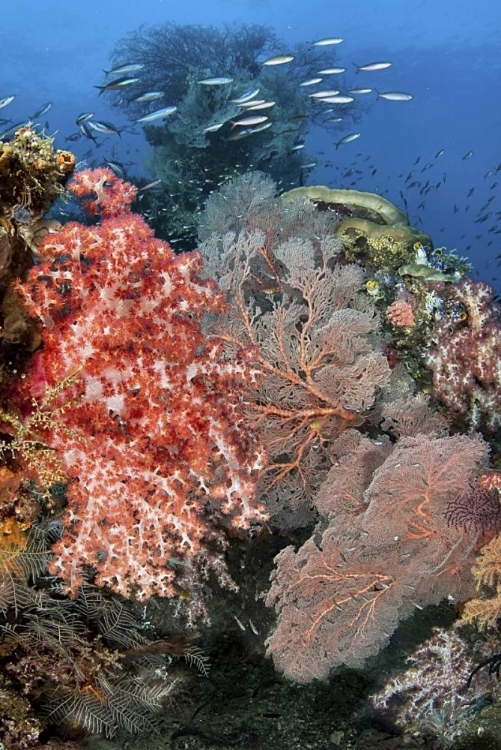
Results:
<point x="359" y="204"/>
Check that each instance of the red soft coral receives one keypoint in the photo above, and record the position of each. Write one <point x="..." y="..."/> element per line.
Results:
<point x="153" y="437"/>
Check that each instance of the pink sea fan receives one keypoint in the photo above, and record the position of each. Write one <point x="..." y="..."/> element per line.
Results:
<point x="387" y="549"/>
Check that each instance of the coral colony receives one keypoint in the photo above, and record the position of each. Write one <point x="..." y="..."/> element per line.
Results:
<point x="154" y="439"/>
<point x="316" y="366"/>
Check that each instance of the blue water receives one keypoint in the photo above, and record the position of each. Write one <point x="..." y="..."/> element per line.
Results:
<point x="446" y="53"/>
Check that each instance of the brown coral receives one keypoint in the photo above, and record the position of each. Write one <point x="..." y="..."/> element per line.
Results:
<point x="66" y="161"/>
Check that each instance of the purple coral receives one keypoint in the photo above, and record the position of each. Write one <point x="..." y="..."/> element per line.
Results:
<point x="432" y="693"/>
<point x="465" y="354"/>
<point x="476" y="508"/>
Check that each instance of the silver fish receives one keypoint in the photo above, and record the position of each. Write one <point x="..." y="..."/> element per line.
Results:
<point x="107" y="128"/>
<point x="348" y="139"/>
<point x="213" y="128"/>
<point x="278" y="60"/>
<point x="328" y="41"/>
<point x="124" y="69"/>
<point x="84" y="116"/>
<point x="249" y="121"/>
<point x="373" y="66"/>
<point x="13" y="128"/>
<point x="310" y="82"/>
<point x="246" y="97"/>
<point x="116" y="167"/>
<point x="85" y="131"/>
<point x="119" y="83"/>
<point x="337" y="99"/>
<point x="395" y="96"/>
<point x="361" y="91"/>
<point x="261" y="127"/>
<point x="323" y="94"/>
<point x="252" y="103"/>
<point x="220" y="81"/>
<point x="331" y="71"/>
<point x="261" y="105"/>
<point x="150" y="186"/>
<point x="148" y="96"/>
<point x="249" y="131"/>
<point x="7" y="100"/>
<point x="158" y="114"/>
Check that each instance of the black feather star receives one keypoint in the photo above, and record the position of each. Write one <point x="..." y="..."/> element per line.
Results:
<point x="494" y="664"/>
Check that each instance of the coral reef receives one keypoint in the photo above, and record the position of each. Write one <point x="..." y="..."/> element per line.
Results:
<point x="376" y="247"/>
<point x="400" y="314"/>
<point x="33" y="174"/>
<point x="179" y="404"/>
<point x="353" y="581"/>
